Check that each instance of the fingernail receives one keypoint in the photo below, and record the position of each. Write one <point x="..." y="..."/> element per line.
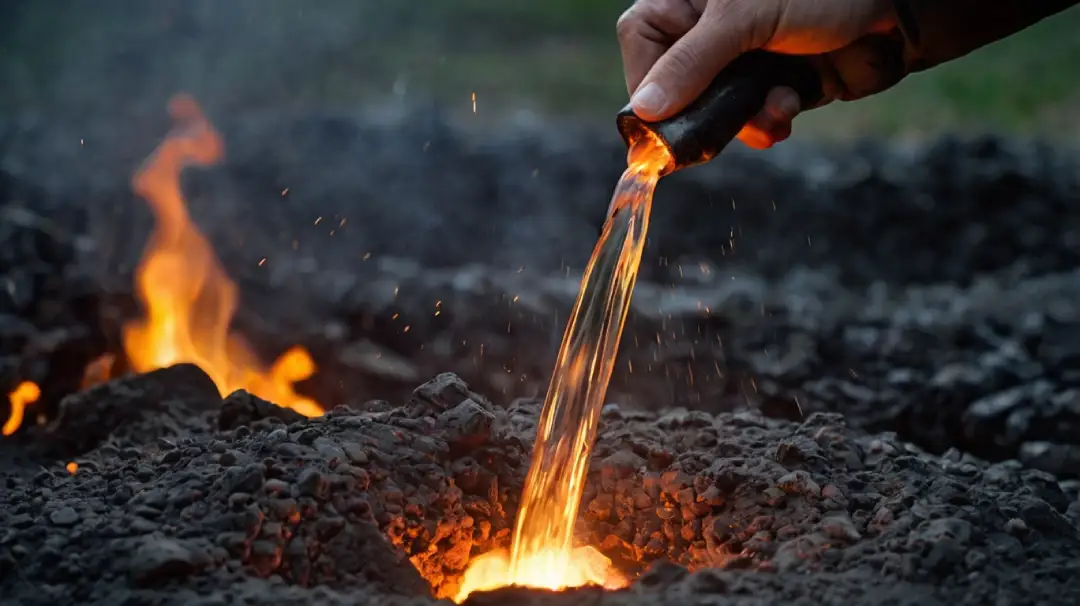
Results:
<point x="649" y="100"/>
<point x="788" y="104"/>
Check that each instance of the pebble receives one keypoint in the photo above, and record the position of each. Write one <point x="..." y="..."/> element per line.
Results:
<point x="839" y="527"/>
<point x="355" y="453"/>
<point x="65" y="516"/>
<point x="799" y="482"/>
<point x="312" y="483"/>
<point x="249" y="479"/>
<point x="160" y="559"/>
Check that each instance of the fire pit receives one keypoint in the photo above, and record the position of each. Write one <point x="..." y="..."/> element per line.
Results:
<point x="778" y="439"/>
<point x="227" y="500"/>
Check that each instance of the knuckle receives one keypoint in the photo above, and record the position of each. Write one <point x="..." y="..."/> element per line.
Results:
<point x="683" y="58"/>
<point x="666" y="17"/>
<point x="629" y="23"/>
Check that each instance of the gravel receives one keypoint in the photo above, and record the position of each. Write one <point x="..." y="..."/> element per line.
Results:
<point x="863" y="394"/>
<point x="361" y="505"/>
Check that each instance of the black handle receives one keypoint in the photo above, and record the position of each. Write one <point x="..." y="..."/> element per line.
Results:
<point x="737" y="94"/>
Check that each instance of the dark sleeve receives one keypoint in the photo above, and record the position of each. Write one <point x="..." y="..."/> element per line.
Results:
<point x="937" y="31"/>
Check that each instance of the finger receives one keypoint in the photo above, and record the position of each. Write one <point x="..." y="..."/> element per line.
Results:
<point x="687" y="67"/>
<point x="647" y="30"/>
<point x="865" y="67"/>
<point x="773" y="123"/>
<point x="752" y="137"/>
<point x="782" y="104"/>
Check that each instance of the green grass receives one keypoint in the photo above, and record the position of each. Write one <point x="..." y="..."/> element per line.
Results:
<point x="568" y="61"/>
<point x="1023" y="84"/>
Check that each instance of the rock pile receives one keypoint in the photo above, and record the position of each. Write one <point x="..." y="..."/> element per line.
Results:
<point x="387" y="502"/>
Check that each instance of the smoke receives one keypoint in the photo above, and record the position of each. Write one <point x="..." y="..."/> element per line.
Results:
<point x="317" y="171"/>
<point x="111" y="58"/>
<point x="300" y="91"/>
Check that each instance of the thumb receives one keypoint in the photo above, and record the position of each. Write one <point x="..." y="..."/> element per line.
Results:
<point x="686" y="69"/>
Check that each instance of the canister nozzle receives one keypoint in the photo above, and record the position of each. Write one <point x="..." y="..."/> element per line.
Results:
<point x="702" y="130"/>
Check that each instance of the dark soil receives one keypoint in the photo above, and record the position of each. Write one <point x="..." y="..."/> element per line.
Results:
<point x="866" y="393"/>
<point x="802" y="511"/>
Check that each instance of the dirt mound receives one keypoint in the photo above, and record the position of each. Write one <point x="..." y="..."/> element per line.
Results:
<point x="340" y="505"/>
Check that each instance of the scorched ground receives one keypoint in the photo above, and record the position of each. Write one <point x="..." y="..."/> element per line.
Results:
<point x="179" y="495"/>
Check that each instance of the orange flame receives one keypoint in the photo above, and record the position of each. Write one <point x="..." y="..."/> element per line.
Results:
<point x="551" y="569"/>
<point x="22" y="396"/>
<point x="188" y="297"/>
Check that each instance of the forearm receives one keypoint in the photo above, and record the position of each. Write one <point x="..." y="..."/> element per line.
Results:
<point x="937" y="31"/>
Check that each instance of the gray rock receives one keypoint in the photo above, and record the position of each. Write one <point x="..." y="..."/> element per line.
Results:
<point x="159" y="560"/>
<point x="467" y="425"/>
<point x="65" y="516"/>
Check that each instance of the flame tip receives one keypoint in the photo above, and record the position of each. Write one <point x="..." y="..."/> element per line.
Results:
<point x="187" y="297"/>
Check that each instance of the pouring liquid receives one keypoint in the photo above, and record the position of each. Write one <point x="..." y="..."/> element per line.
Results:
<point x="542" y="554"/>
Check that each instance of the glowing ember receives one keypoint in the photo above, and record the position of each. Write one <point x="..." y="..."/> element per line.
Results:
<point x="72" y="467"/>
<point x="98" y="371"/>
<point x="188" y="298"/>
<point x="542" y="553"/>
<point x="24" y="395"/>
<point x="547" y="570"/>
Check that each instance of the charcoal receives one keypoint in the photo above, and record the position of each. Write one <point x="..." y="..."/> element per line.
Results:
<point x="157" y="559"/>
<point x="136" y="410"/>
<point x="970" y="298"/>
<point x="379" y="503"/>
<point x="242" y="408"/>
<point x="848" y="376"/>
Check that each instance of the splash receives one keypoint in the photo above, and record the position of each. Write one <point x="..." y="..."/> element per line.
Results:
<point x="542" y="554"/>
<point x="22" y="396"/>
<point x="189" y="300"/>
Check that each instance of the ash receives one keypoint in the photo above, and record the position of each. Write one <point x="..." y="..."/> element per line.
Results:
<point x="865" y="394"/>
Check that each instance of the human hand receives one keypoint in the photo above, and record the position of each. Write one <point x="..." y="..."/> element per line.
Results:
<point x="672" y="50"/>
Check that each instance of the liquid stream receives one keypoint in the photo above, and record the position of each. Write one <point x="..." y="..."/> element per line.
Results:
<point x="542" y="554"/>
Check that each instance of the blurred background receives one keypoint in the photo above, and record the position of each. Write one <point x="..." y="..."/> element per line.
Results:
<point x="544" y="57"/>
<point x="414" y="186"/>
